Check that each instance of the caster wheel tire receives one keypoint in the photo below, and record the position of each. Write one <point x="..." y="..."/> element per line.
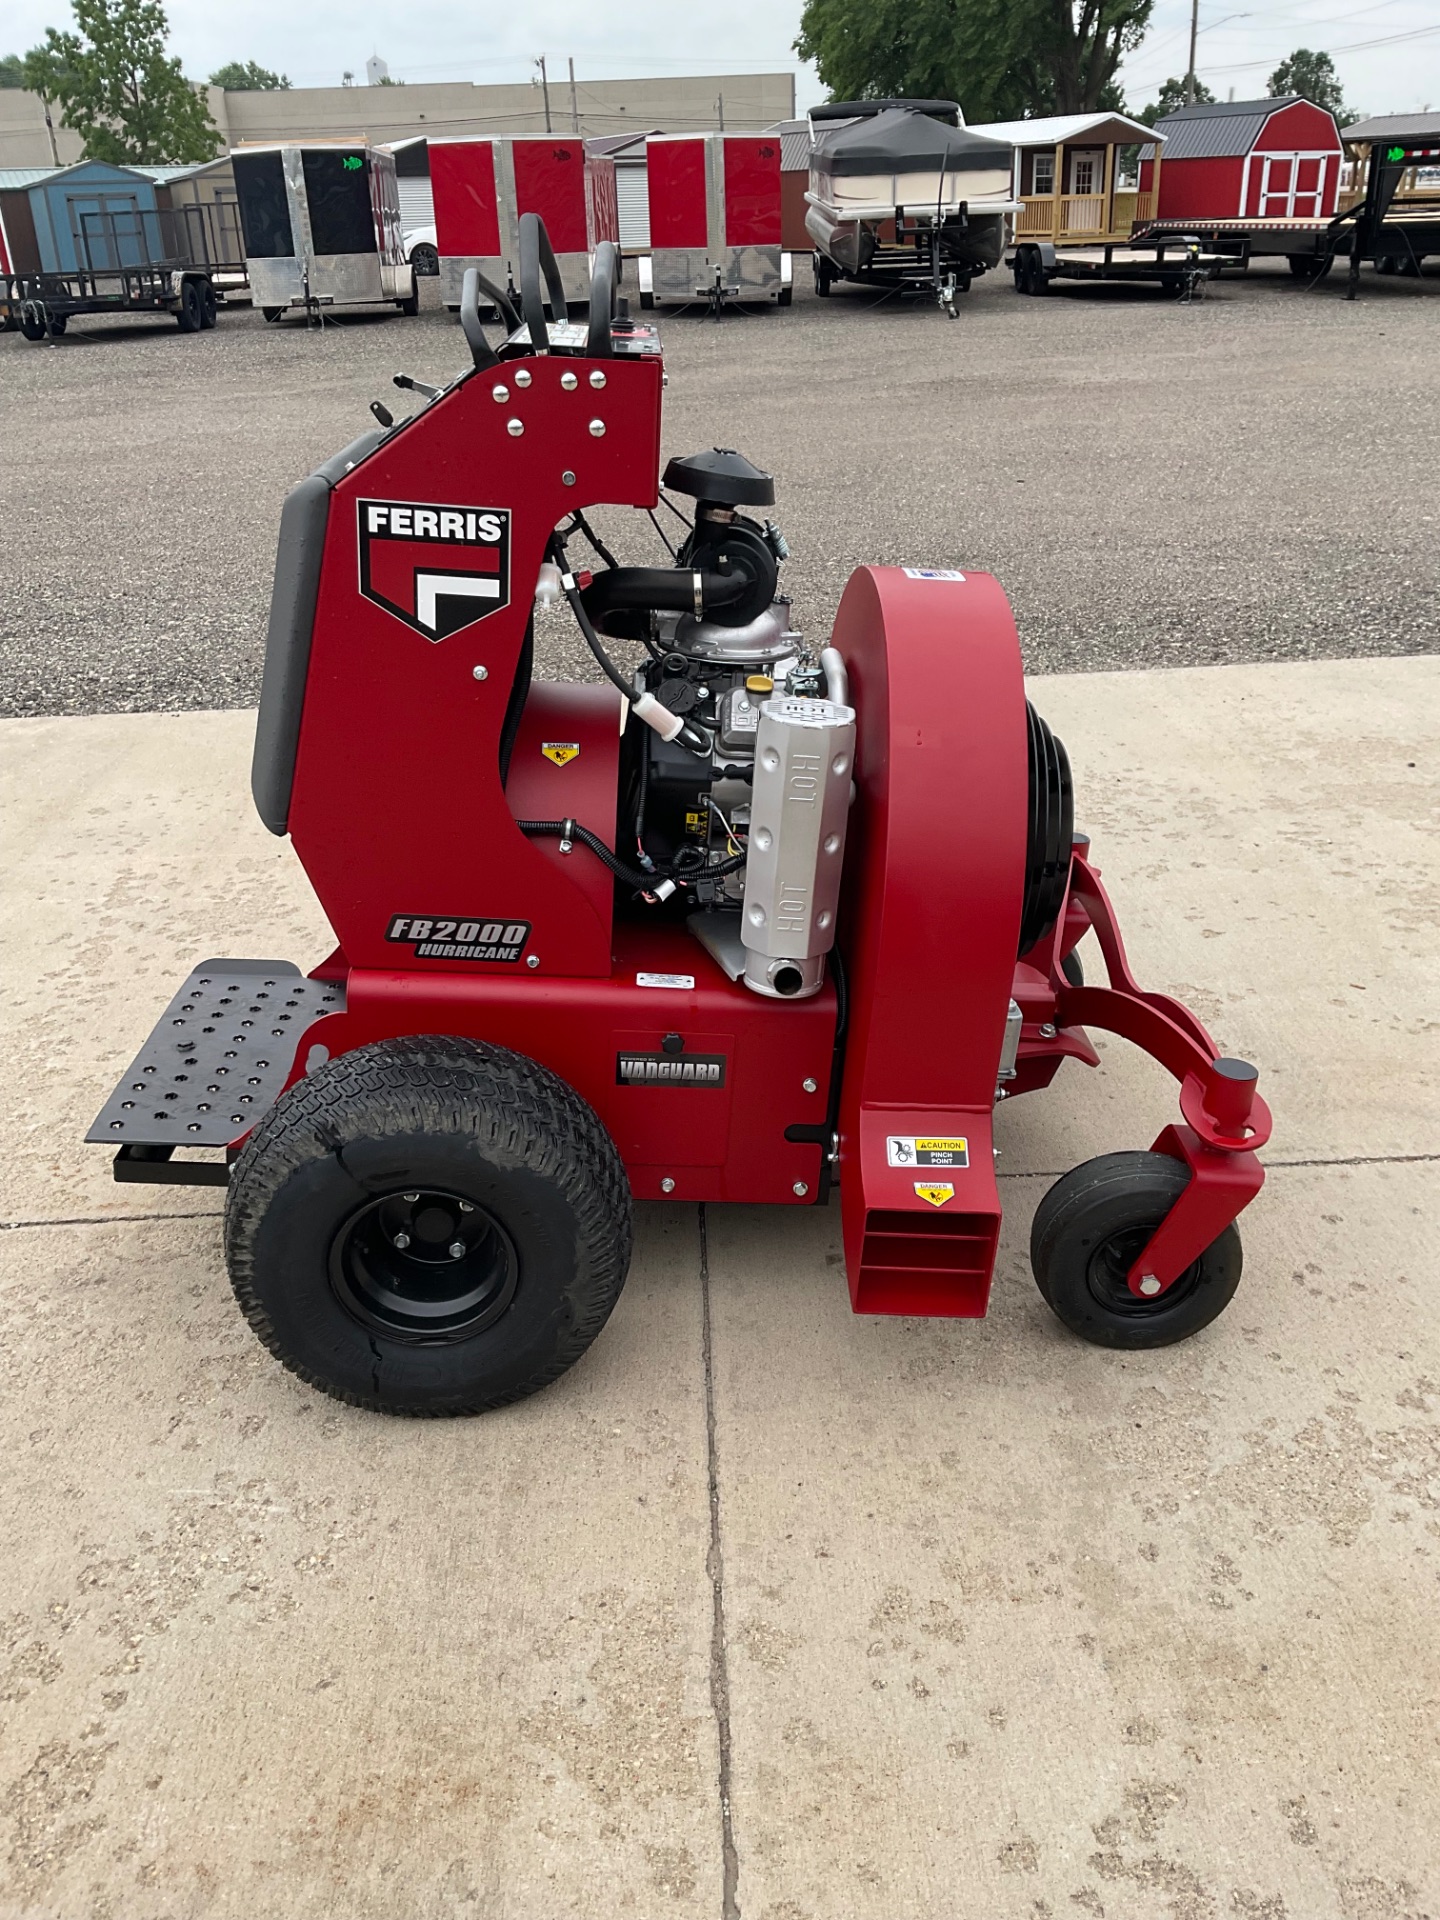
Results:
<point x="1089" y="1229"/>
<point x="428" y="1227"/>
<point x="1073" y="968"/>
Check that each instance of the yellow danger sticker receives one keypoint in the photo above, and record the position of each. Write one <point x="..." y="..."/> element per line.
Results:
<point x="562" y="752"/>
<point x="937" y="1192"/>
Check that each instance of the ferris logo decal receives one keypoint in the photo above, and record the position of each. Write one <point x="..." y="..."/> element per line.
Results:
<point x="435" y="938"/>
<point x="439" y="569"/>
<point x="670" y="1070"/>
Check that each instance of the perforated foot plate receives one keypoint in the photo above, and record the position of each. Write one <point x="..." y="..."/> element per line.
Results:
<point x="218" y="1057"/>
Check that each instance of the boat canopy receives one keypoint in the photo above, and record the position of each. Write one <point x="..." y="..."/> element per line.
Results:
<point x="899" y="141"/>
<point x="946" y="110"/>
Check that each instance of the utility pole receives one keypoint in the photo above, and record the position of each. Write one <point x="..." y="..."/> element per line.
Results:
<point x="50" y="129"/>
<point x="545" y="89"/>
<point x="574" y="110"/>
<point x="1190" y="72"/>
<point x="720" y="109"/>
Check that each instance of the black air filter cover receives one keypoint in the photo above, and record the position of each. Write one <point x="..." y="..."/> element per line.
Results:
<point x="721" y="476"/>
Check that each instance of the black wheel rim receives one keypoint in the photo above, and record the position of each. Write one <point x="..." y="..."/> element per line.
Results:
<point x="424" y="1267"/>
<point x="1107" y="1275"/>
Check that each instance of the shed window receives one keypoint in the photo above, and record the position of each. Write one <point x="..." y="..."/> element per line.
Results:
<point x="1043" y="174"/>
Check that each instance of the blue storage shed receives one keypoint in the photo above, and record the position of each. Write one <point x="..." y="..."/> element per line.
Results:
<point x="66" y="219"/>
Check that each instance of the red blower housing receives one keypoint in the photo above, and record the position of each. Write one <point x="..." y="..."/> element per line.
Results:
<point x="685" y="933"/>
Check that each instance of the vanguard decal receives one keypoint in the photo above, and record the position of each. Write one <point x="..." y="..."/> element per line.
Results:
<point x="439" y="569"/>
<point x="670" y="1069"/>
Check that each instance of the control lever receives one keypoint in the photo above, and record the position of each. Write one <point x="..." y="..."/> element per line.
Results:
<point x="418" y="386"/>
<point x="383" y="414"/>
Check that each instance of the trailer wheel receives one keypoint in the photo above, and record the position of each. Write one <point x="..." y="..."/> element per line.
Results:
<point x="272" y="314"/>
<point x="1088" y="1231"/>
<point x="784" y="297"/>
<point x="32" y="325"/>
<point x="190" y="316"/>
<point x="56" y="324"/>
<point x="647" y="301"/>
<point x="1305" y="266"/>
<point x="1036" y="280"/>
<point x="410" y="305"/>
<point x="428" y="1226"/>
<point x="824" y="279"/>
<point x="209" y="308"/>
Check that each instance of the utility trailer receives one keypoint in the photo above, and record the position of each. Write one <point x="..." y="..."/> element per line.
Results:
<point x="715" y="223"/>
<point x="94" y="239"/>
<point x="482" y="189"/>
<point x="1177" y="264"/>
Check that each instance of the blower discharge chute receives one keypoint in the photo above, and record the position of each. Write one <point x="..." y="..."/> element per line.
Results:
<point x="737" y="924"/>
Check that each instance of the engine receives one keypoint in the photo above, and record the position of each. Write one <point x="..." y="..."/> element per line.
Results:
<point x="735" y="793"/>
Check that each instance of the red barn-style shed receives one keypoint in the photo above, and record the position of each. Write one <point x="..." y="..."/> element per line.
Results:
<point x="1247" y="160"/>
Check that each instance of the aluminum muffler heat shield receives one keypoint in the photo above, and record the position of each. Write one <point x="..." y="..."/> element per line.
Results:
<point x="804" y="758"/>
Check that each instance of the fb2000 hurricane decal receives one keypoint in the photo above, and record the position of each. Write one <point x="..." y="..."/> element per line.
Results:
<point x="439" y="569"/>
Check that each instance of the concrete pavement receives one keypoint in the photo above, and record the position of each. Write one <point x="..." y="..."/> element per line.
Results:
<point x="762" y="1611"/>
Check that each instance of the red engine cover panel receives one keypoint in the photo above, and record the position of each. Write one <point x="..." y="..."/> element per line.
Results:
<point x="397" y="807"/>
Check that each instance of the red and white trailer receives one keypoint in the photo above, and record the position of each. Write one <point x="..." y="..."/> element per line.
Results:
<point x="481" y="188"/>
<point x="715" y="219"/>
<point x="1249" y="177"/>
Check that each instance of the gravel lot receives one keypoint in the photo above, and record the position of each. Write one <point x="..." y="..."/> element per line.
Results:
<point x="1245" y="478"/>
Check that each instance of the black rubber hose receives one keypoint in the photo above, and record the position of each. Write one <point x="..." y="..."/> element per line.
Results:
<point x="670" y="589"/>
<point x="537" y="256"/>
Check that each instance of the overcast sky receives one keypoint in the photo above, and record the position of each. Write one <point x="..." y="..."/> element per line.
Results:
<point x="1387" y="51"/>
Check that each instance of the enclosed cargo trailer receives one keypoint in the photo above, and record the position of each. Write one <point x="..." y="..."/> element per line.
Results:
<point x="482" y="188"/>
<point x="715" y="222"/>
<point x="322" y="228"/>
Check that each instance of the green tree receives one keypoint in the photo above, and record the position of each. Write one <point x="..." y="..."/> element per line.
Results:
<point x="1313" y="77"/>
<point x="245" y="76"/>
<point x="1172" y="97"/>
<point x="999" y="58"/>
<point x="119" y="90"/>
<point x="12" y="70"/>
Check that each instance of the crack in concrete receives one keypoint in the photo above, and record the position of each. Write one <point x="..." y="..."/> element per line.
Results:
<point x="108" y="1220"/>
<point x="715" y="1567"/>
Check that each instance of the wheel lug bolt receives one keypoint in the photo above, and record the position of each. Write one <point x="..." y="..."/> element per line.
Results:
<point x="402" y="1240"/>
<point x="457" y="1249"/>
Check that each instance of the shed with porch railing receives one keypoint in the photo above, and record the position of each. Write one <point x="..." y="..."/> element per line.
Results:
<point x="1075" y="176"/>
<point x="1246" y="160"/>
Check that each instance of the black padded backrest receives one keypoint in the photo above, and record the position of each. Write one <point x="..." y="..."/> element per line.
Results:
<point x="303" y="521"/>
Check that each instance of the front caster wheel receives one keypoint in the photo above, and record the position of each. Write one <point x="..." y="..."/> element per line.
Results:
<point x="428" y="1226"/>
<point x="1088" y="1231"/>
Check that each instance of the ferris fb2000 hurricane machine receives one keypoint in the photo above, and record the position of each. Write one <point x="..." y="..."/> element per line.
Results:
<point x="734" y="926"/>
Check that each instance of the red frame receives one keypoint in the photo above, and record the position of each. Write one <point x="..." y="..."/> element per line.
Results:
<point x="398" y="807"/>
